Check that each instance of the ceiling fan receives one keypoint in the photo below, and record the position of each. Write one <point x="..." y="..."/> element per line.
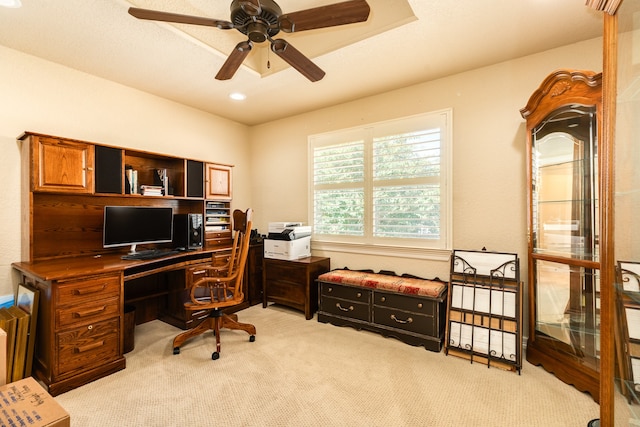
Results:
<point x="261" y="20"/>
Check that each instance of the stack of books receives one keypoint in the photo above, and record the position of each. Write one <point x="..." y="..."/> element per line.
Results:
<point x="151" y="190"/>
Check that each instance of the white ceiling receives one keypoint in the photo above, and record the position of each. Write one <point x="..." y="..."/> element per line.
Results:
<point x="403" y="43"/>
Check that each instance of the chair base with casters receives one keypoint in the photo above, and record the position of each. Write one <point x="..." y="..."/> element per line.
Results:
<point x="216" y="321"/>
<point x="220" y="288"/>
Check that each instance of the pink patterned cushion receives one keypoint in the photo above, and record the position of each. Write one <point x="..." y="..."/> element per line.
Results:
<point x="405" y="285"/>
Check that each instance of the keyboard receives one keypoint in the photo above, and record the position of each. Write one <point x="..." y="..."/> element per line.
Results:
<point x="149" y="254"/>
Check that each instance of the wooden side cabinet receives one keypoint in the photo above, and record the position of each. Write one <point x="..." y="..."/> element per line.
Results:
<point x="293" y="283"/>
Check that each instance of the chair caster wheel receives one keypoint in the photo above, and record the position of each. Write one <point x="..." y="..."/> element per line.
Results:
<point x="215" y="355"/>
<point x="176" y="350"/>
<point x="252" y="338"/>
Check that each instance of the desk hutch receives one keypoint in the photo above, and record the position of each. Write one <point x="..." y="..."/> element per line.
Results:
<point x="83" y="287"/>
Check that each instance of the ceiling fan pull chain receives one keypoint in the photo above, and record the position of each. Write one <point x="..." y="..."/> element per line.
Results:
<point x="268" y="61"/>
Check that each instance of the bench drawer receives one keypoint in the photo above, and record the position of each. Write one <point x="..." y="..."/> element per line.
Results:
<point x="411" y="303"/>
<point x="345" y="308"/>
<point x="345" y="292"/>
<point x="404" y="320"/>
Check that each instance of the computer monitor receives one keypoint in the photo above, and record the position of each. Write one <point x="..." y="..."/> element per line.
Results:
<point x="135" y="225"/>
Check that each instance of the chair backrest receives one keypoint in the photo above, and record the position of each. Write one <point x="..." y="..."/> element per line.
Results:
<point x="240" y="249"/>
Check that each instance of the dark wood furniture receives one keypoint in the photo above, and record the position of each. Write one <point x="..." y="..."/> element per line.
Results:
<point x="66" y="184"/>
<point x="378" y="303"/>
<point x="564" y="122"/>
<point x="254" y="274"/>
<point x="293" y="283"/>
<point x="79" y="332"/>
<point x="220" y="287"/>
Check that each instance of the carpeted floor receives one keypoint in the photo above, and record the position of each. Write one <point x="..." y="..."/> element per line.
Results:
<point x="303" y="373"/>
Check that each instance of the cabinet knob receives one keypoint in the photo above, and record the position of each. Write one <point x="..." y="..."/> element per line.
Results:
<point x="420" y="305"/>
<point x="359" y="294"/>
<point x="383" y="299"/>
<point x="329" y="289"/>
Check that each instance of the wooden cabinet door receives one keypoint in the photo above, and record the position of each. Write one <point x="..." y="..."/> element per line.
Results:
<point x="218" y="182"/>
<point x="62" y="165"/>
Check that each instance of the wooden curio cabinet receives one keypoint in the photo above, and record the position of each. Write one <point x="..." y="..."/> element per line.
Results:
<point x="563" y="120"/>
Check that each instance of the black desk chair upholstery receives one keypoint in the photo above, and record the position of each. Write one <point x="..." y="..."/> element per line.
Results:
<point x="221" y="288"/>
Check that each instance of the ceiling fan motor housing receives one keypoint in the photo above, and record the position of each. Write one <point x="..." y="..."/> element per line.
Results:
<point x="260" y="27"/>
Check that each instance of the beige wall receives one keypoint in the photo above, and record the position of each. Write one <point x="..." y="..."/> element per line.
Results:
<point x="489" y="171"/>
<point x="271" y="160"/>
<point x="44" y="97"/>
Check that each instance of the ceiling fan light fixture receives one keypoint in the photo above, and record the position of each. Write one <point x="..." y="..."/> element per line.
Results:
<point x="14" y="4"/>
<point x="237" y="96"/>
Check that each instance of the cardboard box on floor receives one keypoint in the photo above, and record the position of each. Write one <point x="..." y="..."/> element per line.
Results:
<point x="27" y="403"/>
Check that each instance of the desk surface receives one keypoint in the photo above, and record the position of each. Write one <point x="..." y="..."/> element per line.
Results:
<point x="82" y="266"/>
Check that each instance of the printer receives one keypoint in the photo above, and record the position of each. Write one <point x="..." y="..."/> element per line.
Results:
<point x="288" y="241"/>
<point x="288" y="230"/>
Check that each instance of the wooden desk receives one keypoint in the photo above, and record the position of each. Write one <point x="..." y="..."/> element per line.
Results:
<point x="293" y="283"/>
<point x="79" y="335"/>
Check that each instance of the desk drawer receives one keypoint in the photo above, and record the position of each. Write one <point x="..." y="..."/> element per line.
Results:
<point x="91" y="289"/>
<point x="88" y="313"/>
<point x="88" y="346"/>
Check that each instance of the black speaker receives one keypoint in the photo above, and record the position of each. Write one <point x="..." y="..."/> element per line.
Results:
<point x="188" y="231"/>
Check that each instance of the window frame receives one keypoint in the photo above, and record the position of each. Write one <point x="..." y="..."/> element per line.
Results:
<point x="369" y="245"/>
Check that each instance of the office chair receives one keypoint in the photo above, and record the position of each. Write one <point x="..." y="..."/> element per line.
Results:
<point x="220" y="288"/>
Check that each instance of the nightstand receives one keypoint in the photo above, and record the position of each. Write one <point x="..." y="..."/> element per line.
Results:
<point x="293" y="283"/>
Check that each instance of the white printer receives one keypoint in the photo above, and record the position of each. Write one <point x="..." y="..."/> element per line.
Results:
<point x="288" y="241"/>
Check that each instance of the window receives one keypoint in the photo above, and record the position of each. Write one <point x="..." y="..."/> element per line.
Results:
<point x="383" y="185"/>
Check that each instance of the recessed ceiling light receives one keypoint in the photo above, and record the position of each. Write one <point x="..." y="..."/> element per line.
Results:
<point x="237" y="96"/>
<point x="11" y="3"/>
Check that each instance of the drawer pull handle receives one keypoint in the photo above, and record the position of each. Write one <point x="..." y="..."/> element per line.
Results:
<point x="420" y="305"/>
<point x="383" y="299"/>
<point x="89" y="347"/>
<point x="394" y="318"/>
<point x="89" y="290"/>
<point x="89" y="312"/>
<point x="359" y="294"/>
<point x="329" y="289"/>
<point x="344" y="309"/>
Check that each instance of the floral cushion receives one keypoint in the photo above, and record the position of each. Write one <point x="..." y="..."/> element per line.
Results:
<point x="405" y="285"/>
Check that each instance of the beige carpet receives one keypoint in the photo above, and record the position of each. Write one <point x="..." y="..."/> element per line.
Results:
<point x="303" y="373"/>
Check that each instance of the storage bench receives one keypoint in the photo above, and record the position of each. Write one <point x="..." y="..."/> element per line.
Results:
<point x="408" y="308"/>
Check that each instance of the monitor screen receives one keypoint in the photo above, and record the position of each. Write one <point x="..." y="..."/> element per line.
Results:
<point x="133" y="225"/>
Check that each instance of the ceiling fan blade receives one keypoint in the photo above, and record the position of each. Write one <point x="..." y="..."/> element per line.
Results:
<point x="332" y="15"/>
<point x="297" y="60"/>
<point x="156" y="15"/>
<point x="234" y="60"/>
<point x="251" y="7"/>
